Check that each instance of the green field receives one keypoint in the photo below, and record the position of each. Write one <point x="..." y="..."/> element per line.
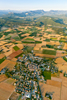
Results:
<point x="32" y="42"/>
<point x="65" y="59"/>
<point x="46" y="74"/>
<point x="1" y="60"/>
<point x="49" y="52"/>
<point x="53" y="38"/>
<point x="30" y="39"/>
<point x="16" y="48"/>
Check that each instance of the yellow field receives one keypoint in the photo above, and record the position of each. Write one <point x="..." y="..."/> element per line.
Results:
<point x="54" y="83"/>
<point x="64" y="93"/>
<point x="1" y="56"/>
<point x="49" y="88"/>
<point x="9" y="81"/>
<point x="4" y="64"/>
<point x="5" y="90"/>
<point x="60" y="60"/>
<point x="44" y="55"/>
<point x="2" y="77"/>
<point x="7" y="63"/>
<point x="61" y="64"/>
<point x="20" y="46"/>
<point x="65" y="46"/>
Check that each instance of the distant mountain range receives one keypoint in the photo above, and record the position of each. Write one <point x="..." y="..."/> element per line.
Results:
<point x="32" y="13"/>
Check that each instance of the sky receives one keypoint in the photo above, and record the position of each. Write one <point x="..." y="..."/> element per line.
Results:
<point x="24" y="5"/>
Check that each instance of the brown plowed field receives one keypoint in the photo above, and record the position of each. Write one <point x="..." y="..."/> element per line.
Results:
<point x="14" y="54"/>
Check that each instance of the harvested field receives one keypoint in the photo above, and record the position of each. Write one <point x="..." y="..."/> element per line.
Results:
<point x="36" y="48"/>
<point x="60" y="54"/>
<point x="11" y="65"/>
<point x="7" y="63"/>
<point x="64" y="93"/>
<point x="37" y="38"/>
<point x="8" y="53"/>
<point x="2" y="78"/>
<point x="14" y="54"/>
<point x="38" y="45"/>
<point x="14" y="59"/>
<point x="8" y="30"/>
<point x="27" y="34"/>
<point x="64" y="81"/>
<point x="4" y="64"/>
<point x="49" y="88"/>
<point x="1" y="56"/>
<point x="56" y="79"/>
<point x="47" y="48"/>
<point x="53" y="43"/>
<point x="19" y="42"/>
<point x="5" y="90"/>
<point x="2" y="37"/>
<point x="26" y="44"/>
<point x="65" y="46"/>
<point x="61" y="64"/>
<point x="2" y="42"/>
<point x="13" y="50"/>
<point x="60" y="60"/>
<point x="20" y="46"/>
<point x="54" y="83"/>
<point x="9" y="81"/>
<point x="44" y="55"/>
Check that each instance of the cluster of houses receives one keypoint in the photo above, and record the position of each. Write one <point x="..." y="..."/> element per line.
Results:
<point x="27" y="75"/>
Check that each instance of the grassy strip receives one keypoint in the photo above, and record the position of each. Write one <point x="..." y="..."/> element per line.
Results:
<point x="48" y="40"/>
<point x="50" y="46"/>
<point x="16" y="48"/>
<point x="49" y="52"/>
<point x="46" y="74"/>
<point x="1" y="60"/>
<point x="32" y="42"/>
<point x="30" y="39"/>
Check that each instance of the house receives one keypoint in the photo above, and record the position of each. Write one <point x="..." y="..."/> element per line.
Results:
<point x="27" y="95"/>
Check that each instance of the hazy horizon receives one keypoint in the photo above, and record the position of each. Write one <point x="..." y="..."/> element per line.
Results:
<point x="27" y="5"/>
